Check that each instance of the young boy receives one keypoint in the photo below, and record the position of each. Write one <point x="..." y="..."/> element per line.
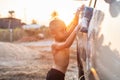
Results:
<point x="60" y="47"/>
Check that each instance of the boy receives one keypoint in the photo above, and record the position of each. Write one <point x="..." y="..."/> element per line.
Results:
<point x="60" y="47"/>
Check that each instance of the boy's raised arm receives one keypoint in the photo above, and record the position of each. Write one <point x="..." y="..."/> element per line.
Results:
<point x="68" y="42"/>
<point x="75" y="21"/>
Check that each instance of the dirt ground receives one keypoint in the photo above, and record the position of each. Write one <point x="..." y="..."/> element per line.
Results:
<point x="31" y="61"/>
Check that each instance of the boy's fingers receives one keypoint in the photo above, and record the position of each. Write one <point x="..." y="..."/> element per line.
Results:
<point x="81" y="7"/>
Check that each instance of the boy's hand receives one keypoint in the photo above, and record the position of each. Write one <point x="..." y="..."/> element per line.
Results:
<point x="79" y="10"/>
<point x="77" y="28"/>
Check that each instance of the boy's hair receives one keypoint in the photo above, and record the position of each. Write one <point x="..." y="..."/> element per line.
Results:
<point x="57" y="23"/>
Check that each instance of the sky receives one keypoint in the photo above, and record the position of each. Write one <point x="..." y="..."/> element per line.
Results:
<point x="39" y="10"/>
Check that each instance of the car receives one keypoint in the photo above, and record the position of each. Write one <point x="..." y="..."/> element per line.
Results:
<point x="98" y="49"/>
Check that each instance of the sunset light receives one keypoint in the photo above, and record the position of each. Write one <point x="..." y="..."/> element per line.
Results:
<point x="39" y="10"/>
<point x="59" y="39"/>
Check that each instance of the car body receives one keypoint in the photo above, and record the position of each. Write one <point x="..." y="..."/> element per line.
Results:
<point x="99" y="49"/>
